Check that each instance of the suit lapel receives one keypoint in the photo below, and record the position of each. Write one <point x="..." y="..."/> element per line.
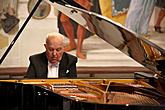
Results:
<point x="44" y="69"/>
<point x="63" y="65"/>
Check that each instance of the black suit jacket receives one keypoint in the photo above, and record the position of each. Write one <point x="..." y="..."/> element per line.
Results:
<point x="38" y="67"/>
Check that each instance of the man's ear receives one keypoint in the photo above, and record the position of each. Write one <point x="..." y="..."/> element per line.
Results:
<point x="45" y="46"/>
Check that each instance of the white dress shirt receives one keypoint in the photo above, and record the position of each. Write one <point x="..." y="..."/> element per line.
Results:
<point x="53" y="70"/>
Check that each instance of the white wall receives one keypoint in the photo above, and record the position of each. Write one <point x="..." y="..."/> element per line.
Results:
<point x="31" y="39"/>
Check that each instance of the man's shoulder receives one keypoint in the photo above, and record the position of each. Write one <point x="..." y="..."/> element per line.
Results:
<point x="70" y="58"/>
<point x="70" y="55"/>
<point x="38" y="56"/>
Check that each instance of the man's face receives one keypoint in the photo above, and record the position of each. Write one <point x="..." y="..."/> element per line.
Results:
<point x="54" y="51"/>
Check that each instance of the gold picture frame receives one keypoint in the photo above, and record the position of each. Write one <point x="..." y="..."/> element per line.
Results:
<point x="42" y="11"/>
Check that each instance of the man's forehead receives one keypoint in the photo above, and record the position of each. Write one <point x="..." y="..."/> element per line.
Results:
<point x="54" y="44"/>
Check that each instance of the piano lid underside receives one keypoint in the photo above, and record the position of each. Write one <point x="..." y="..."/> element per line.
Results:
<point x="135" y="46"/>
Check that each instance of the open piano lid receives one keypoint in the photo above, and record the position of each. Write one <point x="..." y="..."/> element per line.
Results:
<point x="133" y="45"/>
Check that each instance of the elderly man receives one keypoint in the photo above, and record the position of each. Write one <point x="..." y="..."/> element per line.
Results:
<point x="54" y="62"/>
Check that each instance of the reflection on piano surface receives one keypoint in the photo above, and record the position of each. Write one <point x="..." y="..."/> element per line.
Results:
<point x="104" y="91"/>
<point x="145" y="92"/>
<point x="128" y="42"/>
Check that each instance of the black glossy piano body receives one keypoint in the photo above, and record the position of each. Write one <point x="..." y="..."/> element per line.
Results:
<point x="79" y="94"/>
<point x="145" y="92"/>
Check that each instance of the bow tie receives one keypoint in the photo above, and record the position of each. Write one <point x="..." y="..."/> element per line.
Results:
<point x="52" y="65"/>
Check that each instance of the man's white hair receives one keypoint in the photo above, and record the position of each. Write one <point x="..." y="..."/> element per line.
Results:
<point x="55" y="34"/>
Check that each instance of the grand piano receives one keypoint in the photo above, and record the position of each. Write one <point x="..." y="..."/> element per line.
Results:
<point x="143" y="92"/>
